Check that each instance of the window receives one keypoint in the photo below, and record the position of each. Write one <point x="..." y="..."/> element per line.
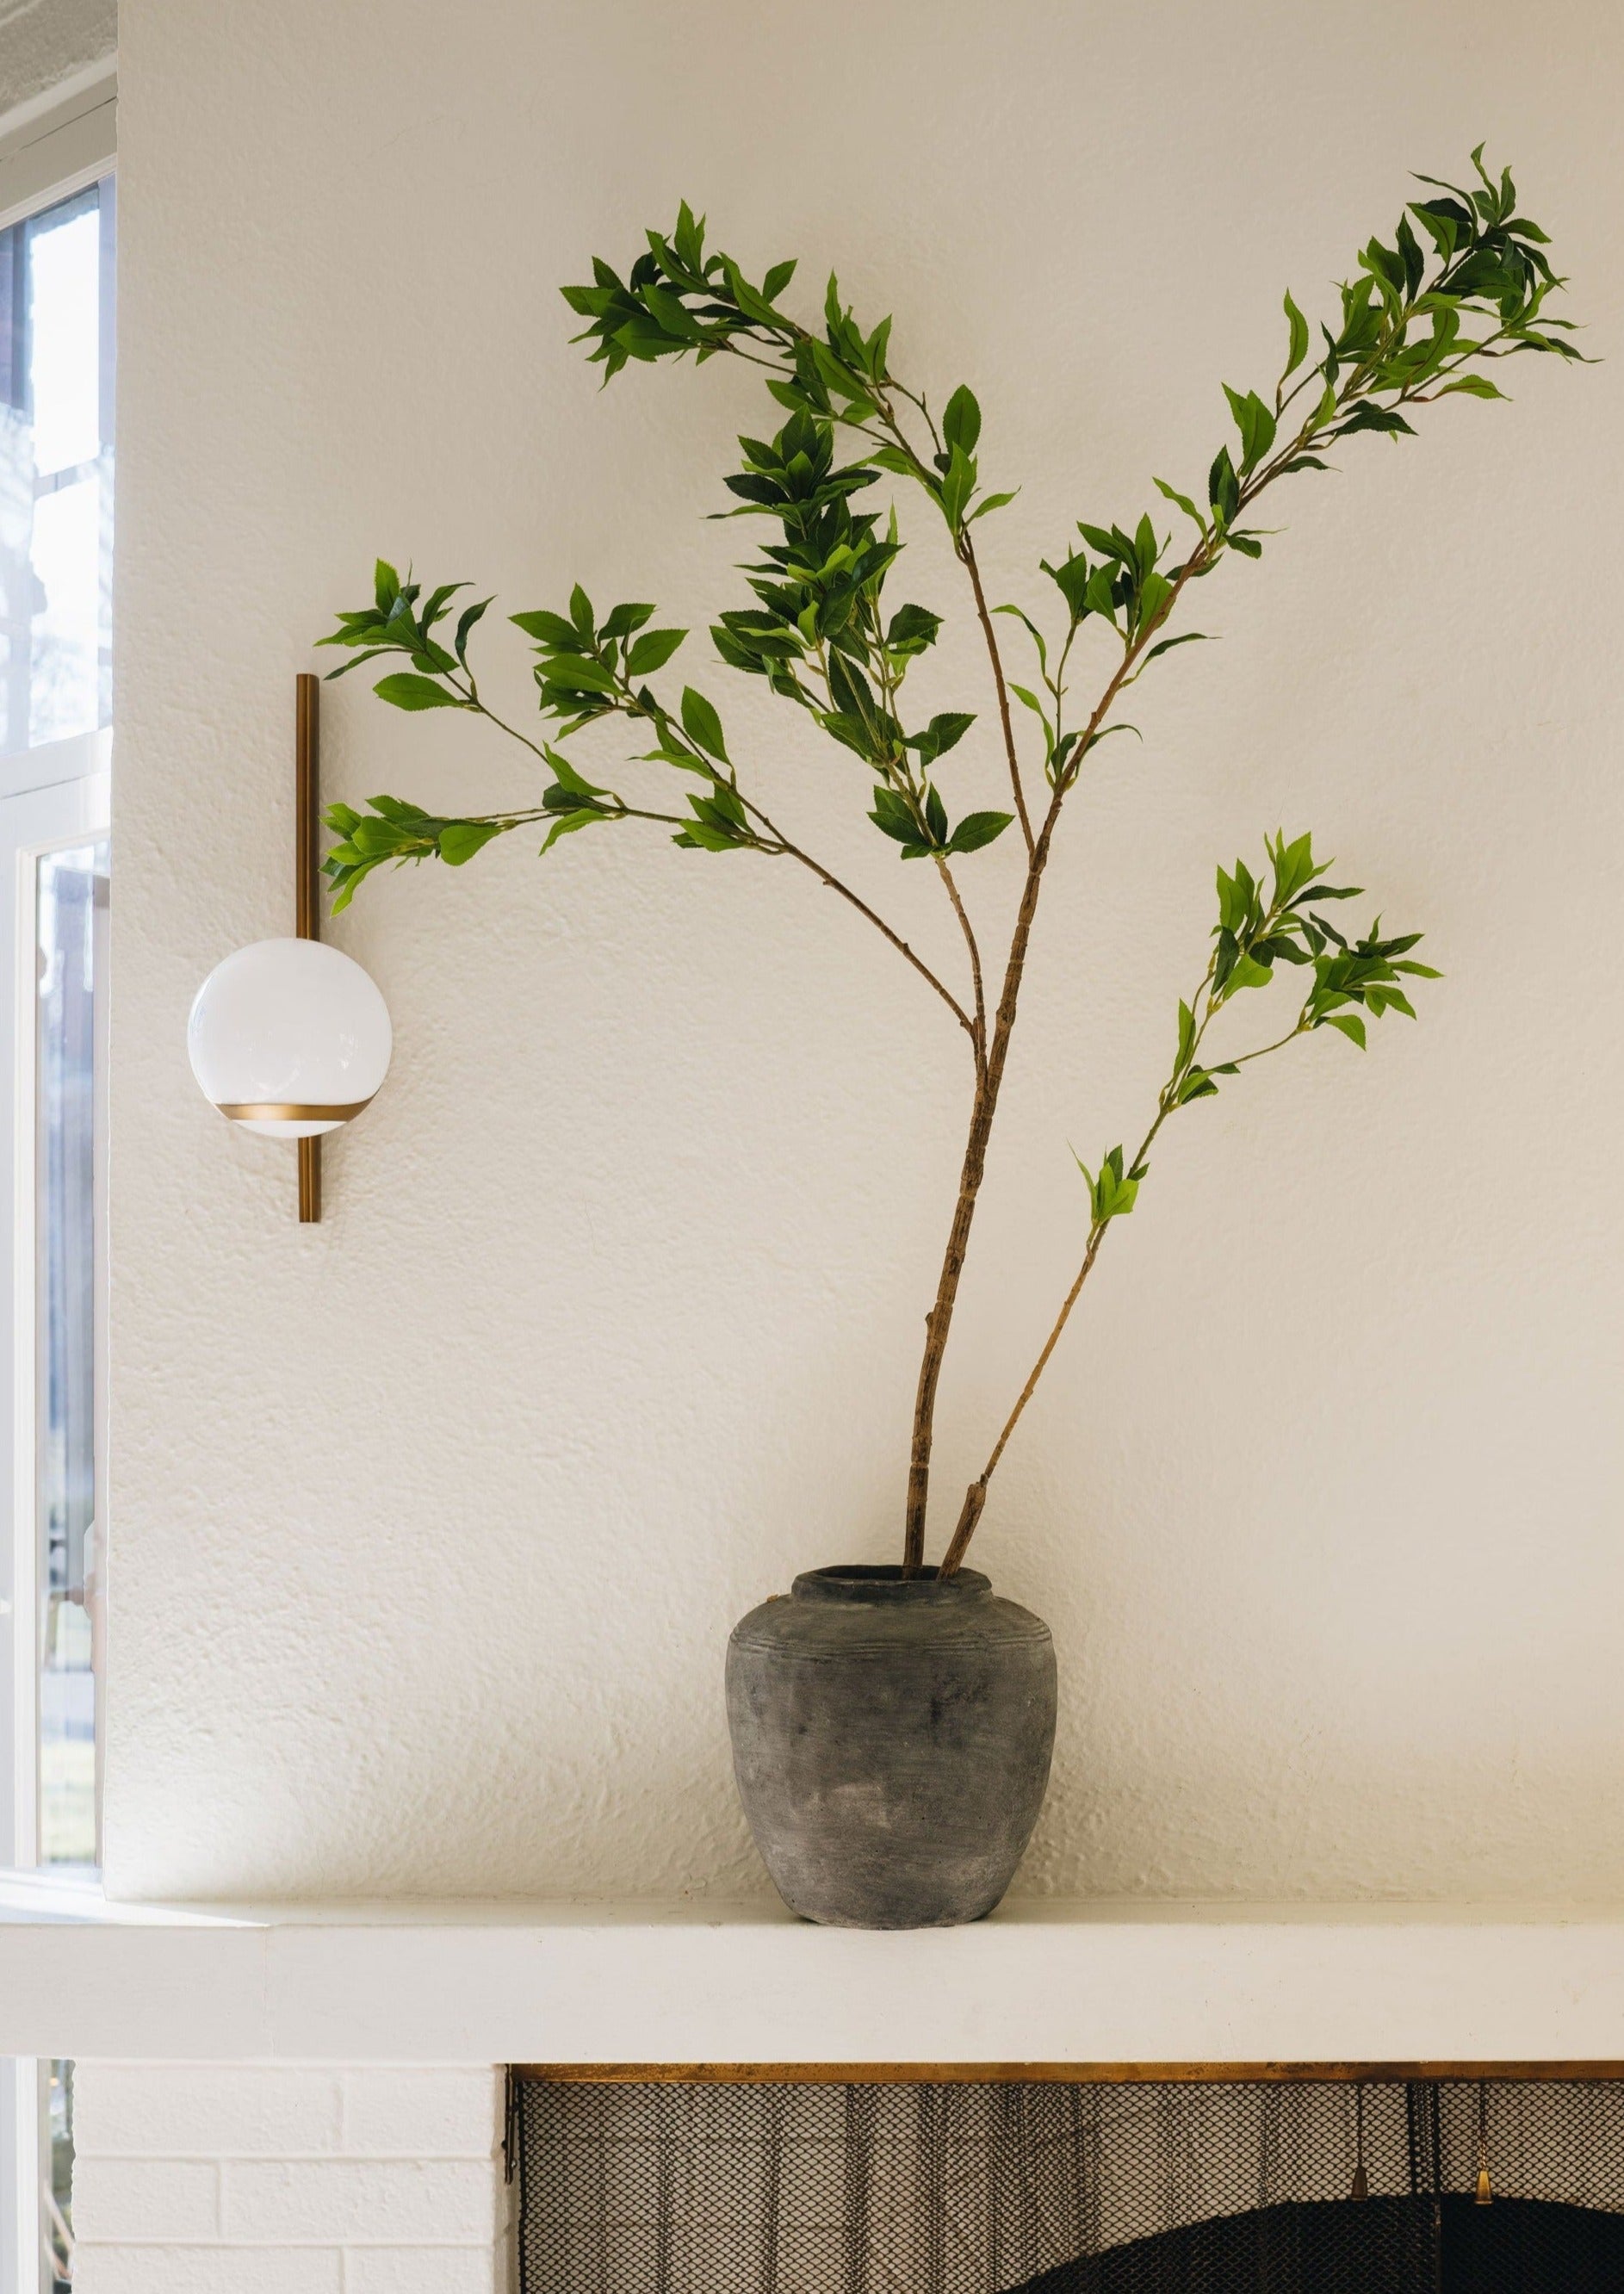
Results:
<point x="56" y="471"/>
<point x="56" y="415"/>
<point x="55" y="695"/>
<point x="70" y="914"/>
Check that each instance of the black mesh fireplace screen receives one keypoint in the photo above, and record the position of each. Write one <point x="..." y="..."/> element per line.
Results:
<point x="1221" y="2187"/>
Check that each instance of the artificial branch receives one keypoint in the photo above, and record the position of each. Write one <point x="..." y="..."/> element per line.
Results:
<point x="1416" y="324"/>
<point x="1350" y="981"/>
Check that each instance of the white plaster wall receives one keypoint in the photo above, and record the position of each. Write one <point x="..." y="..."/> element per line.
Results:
<point x="430" y="1523"/>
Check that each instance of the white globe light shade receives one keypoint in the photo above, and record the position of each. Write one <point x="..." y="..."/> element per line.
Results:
<point x="290" y="1038"/>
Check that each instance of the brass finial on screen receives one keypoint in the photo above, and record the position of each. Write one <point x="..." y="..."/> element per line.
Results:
<point x="1485" y="2188"/>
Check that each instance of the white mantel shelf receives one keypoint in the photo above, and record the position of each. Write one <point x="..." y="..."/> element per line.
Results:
<point x="1042" y="1983"/>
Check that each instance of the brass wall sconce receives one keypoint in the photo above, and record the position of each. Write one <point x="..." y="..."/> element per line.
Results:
<point x="290" y="1038"/>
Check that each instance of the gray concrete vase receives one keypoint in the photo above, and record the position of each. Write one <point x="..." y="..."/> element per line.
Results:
<point x="891" y="1739"/>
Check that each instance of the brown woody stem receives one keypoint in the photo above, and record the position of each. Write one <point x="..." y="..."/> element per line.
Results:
<point x="967" y="552"/>
<point x="985" y="1106"/>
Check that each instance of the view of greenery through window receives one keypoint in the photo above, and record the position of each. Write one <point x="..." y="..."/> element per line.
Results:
<point x="56" y="470"/>
<point x="56" y="2230"/>
<point x="72" y="912"/>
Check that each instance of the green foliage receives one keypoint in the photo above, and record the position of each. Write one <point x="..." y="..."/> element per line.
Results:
<point x="1420" y="320"/>
<point x="1461" y="284"/>
<point x="396" y="622"/>
<point x="393" y="831"/>
<point x="1261" y="924"/>
<point x="1111" y="1191"/>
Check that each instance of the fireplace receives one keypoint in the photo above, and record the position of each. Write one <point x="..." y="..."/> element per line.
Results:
<point x="1348" y="2181"/>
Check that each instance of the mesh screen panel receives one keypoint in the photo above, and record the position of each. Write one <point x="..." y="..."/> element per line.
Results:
<point x="1147" y="2188"/>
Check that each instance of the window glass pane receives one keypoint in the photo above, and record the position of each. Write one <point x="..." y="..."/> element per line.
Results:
<point x="72" y="908"/>
<point x="56" y="2180"/>
<point x="56" y="470"/>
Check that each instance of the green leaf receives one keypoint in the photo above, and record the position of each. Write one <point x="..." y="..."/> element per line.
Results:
<point x="1182" y="500"/>
<point x="993" y="502"/>
<point x="625" y="619"/>
<point x="1223" y="487"/>
<point x="1155" y="591"/>
<point x="461" y="839"/>
<point x="1111" y="1194"/>
<point x="1256" y="426"/>
<point x="576" y="674"/>
<point x="702" y="724"/>
<point x="1476" y="385"/>
<point x="1165" y="645"/>
<point x="1367" y="416"/>
<point x="850" y="732"/>
<point x="565" y="824"/>
<point x="776" y="279"/>
<point x="1299" y="335"/>
<point x="1070" y="578"/>
<point x="567" y="776"/>
<point x="1187" y="1032"/>
<point x="1248" y="973"/>
<point x="404" y="690"/>
<point x="465" y="626"/>
<point x="977" y="829"/>
<point x="550" y="629"/>
<point x="957" y="486"/>
<point x="943" y="732"/>
<point x="581" y="611"/>
<point x="912" y="628"/>
<point x="962" y="420"/>
<point x="1294" y="866"/>
<point x="651" y="651"/>
<point x="894" y="817"/>
<point x="1351" y="1026"/>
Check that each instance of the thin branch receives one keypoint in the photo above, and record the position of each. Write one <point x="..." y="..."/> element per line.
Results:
<point x="825" y="876"/>
<point x="946" y="873"/>
<point x="967" y="554"/>
<point x="501" y="723"/>
<point x="975" y="1496"/>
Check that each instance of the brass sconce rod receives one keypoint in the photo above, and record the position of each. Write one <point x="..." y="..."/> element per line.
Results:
<point x="306" y="887"/>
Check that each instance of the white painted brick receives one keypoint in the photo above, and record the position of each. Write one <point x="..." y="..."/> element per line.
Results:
<point x="421" y="2270"/>
<point x="206" y="2111"/>
<point x="408" y="2202"/>
<point x="208" y="2269"/>
<point x="148" y="2199"/>
<point x="422" y="2114"/>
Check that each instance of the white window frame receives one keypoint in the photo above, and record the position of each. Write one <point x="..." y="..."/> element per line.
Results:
<point x="59" y="143"/>
<point x="49" y="149"/>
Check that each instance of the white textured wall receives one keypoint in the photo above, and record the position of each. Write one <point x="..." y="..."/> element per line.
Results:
<point x="430" y="1523"/>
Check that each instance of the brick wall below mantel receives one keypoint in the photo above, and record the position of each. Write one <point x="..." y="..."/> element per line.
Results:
<point x="288" y="2179"/>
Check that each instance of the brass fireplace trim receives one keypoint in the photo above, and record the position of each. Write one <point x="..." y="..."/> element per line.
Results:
<point x="1011" y="2074"/>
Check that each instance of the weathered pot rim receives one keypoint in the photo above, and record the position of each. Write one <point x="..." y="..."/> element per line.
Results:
<point x="882" y="1584"/>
